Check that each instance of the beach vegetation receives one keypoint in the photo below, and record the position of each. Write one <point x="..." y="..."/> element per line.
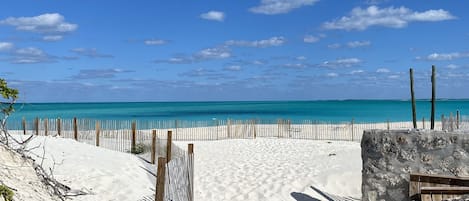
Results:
<point x="140" y="148"/>
<point x="6" y="193"/>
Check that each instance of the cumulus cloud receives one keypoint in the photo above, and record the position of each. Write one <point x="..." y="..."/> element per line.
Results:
<point x="99" y="73"/>
<point x="383" y="70"/>
<point x="154" y="42"/>
<point x="445" y="56"/>
<point x="46" y="23"/>
<point x="90" y="52"/>
<point x="311" y="39"/>
<point x="355" y="44"/>
<point x="360" y="19"/>
<point x="273" y="7"/>
<point x="30" y="55"/>
<point x="346" y="62"/>
<point x="213" y="15"/>
<point x="356" y="72"/>
<point x="233" y="68"/>
<point x="213" y="53"/>
<point x="273" y="41"/>
<point x="5" y="46"/>
<point x="52" y="38"/>
<point x="334" y="46"/>
<point x="332" y="75"/>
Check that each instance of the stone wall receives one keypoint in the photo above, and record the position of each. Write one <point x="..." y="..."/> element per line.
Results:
<point x="389" y="156"/>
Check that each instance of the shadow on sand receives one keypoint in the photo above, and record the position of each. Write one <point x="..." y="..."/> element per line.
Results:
<point x="302" y="197"/>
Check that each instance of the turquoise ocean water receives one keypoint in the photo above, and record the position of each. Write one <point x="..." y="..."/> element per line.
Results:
<point x="360" y="110"/>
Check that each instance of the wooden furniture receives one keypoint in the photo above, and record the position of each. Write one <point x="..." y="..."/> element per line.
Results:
<point x="426" y="187"/>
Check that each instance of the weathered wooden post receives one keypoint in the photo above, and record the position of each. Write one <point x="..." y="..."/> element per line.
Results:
<point x="168" y="146"/>
<point x="59" y="127"/>
<point x="228" y="128"/>
<point x="423" y="122"/>
<point x="353" y="119"/>
<point x="432" y="123"/>
<point x="98" y="128"/>
<point x="134" y="134"/>
<point x="414" y="114"/>
<point x="36" y="125"/>
<point x="443" y="123"/>
<point x="190" y="151"/>
<point x="388" y="124"/>
<point x="75" y="128"/>
<point x="24" y="126"/>
<point x="153" y="146"/>
<point x="160" y="178"/>
<point x="45" y="126"/>
<point x="451" y="122"/>
<point x="457" y="119"/>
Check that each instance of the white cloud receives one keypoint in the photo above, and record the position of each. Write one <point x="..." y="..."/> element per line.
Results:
<point x="356" y="72"/>
<point x="30" y="55"/>
<point x="213" y="15"/>
<point x="301" y="58"/>
<point x="233" y="68"/>
<point x="213" y="53"/>
<point x="355" y="44"/>
<point x="452" y="66"/>
<point x="52" y="38"/>
<point x="311" y="39"/>
<point x="332" y="75"/>
<point x="383" y="70"/>
<point x="394" y="77"/>
<point x="154" y="42"/>
<point x="334" y="46"/>
<point x="445" y="56"/>
<point x="273" y="41"/>
<point x="272" y="7"/>
<point x="45" y="23"/>
<point x="361" y="19"/>
<point x="4" y="46"/>
<point x="90" y="52"/>
<point x="347" y="62"/>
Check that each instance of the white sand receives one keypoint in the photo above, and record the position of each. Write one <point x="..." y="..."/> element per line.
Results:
<point x="17" y="173"/>
<point x="104" y="174"/>
<point x="242" y="169"/>
<point x="275" y="169"/>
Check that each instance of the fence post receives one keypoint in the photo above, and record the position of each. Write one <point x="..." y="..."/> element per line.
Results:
<point x="36" y="125"/>
<point x="190" y="151"/>
<point x="153" y="146"/>
<point x="457" y="119"/>
<point x="414" y="114"/>
<point x="160" y="178"/>
<point x="134" y="132"/>
<point x="59" y="127"/>
<point x="168" y="146"/>
<point x="45" y="126"/>
<point x="387" y="122"/>
<point x="432" y="120"/>
<point x="443" y="122"/>
<point x="353" y="119"/>
<point x="278" y="128"/>
<point x="228" y="128"/>
<point x="423" y="122"/>
<point x="75" y="129"/>
<point x="24" y="126"/>
<point x="98" y="127"/>
<point x="451" y="122"/>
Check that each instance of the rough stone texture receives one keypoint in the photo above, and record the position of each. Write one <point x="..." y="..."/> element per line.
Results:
<point x="389" y="156"/>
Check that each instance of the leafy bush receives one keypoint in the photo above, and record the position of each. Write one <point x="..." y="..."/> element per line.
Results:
<point x="6" y="193"/>
<point x="140" y="148"/>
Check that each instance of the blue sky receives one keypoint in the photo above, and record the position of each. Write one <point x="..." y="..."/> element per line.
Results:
<point x="207" y="50"/>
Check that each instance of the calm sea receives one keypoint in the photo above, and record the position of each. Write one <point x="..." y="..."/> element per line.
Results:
<point x="360" y="110"/>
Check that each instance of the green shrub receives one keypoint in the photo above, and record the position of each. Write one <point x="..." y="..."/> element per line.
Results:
<point x="6" y="193"/>
<point x="140" y="148"/>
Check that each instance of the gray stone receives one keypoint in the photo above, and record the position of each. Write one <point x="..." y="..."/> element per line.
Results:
<point x="389" y="156"/>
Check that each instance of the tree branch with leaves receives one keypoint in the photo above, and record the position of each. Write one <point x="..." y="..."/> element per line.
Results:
<point x="9" y="96"/>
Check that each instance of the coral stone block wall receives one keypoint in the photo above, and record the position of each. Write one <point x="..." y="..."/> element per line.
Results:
<point x="389" y="156"/>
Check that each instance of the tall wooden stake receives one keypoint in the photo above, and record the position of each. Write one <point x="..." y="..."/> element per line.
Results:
<point x="153" y="146"/>
<point x="36" y="125"/>
<point x="457" y="119"/>
<point x="75" y="128"/>
<point x="168" y="146"/>
<point x="98" y="128"/>
<point x="24" y="126"/>
<point x="160" y="177"/>
<point x="414" y="114"/>
<point x="432" y="123"/>
<point x="134" y="134"/>
<point x="59" y="125"/>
